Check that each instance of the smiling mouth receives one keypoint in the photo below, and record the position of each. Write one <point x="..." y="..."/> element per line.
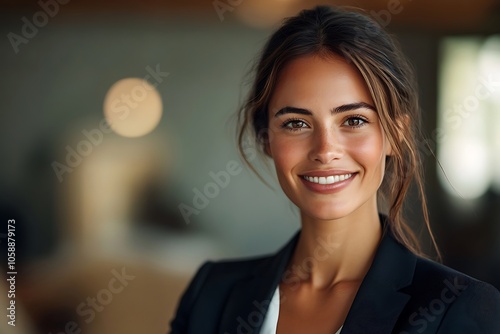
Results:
<point x="332" y="179"/>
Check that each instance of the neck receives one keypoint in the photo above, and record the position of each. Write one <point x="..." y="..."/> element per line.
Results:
<point x="340" y="250"/>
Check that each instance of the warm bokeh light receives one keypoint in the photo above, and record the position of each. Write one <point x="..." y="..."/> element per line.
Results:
<point x="133" y="107"/>
<point x="464" y="108"/>
<point x="489" y="64"/>
<point x="467" y="169"/>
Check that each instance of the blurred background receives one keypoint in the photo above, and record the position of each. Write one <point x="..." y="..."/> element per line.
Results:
<point x="119" y="164"/>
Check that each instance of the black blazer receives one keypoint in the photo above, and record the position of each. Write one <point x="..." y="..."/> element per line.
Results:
<point x="401" y="293"/>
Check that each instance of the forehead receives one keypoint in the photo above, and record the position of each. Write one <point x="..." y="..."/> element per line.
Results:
<point x="319" y="81"/>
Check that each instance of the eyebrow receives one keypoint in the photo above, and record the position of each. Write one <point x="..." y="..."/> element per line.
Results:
<point x="336" y="110"/>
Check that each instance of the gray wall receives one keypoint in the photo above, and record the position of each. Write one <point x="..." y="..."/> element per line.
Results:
<point x="55" y="87"/>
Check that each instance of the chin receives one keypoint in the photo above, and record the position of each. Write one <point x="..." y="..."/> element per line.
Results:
<point x="327" y="211"/>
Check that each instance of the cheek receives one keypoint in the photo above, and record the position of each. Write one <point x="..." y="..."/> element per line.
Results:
<point x="369" y="152"/>
<point x="286" y="153"/>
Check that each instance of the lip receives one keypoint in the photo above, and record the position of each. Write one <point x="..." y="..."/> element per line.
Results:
<point x="327" y="188"/>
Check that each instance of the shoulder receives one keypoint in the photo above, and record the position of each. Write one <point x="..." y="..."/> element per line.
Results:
<point x="461" y="303"/>
<point x="428" y="271"/>
<point x="222" y="273"/>
<point x="205" y="295"/>
<point x="217" y="283"/>
<point x="229" y="269"/>
<point x="431" y="275"/>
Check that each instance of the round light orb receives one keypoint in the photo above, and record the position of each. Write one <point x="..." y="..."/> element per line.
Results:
<point x="133" y="107"/>
<point x="466" y="164"/>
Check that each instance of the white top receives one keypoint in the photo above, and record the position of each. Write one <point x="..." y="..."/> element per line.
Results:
<point x="271" y="319"/>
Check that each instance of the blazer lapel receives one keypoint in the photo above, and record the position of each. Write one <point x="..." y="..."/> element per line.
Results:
<point x="249" y="299"/>
<point x="375" y="309"/>
<point x="379" y="301"/>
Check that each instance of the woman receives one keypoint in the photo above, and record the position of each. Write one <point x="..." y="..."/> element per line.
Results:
<point x="334" y="106"/>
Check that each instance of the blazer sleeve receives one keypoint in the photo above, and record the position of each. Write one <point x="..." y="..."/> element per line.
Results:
<point x="476" y="310"/>
<point x="180" y="322"/>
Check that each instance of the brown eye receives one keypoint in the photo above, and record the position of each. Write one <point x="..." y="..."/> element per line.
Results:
<point x="294" y="125"/>
<point x="354" y="122"/>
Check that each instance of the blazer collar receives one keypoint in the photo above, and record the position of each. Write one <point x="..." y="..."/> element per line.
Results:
<point x="249" y="299"/>
<point x="379" y="301"/>
<point x="376" y="306"/>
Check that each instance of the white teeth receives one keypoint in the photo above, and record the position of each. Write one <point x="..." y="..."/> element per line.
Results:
<point x="327" y="180"/>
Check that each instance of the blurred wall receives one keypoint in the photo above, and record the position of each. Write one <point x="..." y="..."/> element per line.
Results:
<point x="53" y="89"/>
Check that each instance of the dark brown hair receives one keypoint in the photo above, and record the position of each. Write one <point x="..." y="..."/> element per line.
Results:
<point x="362" y="42"/>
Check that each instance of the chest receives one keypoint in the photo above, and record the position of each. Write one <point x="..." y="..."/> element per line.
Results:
<point x="305" y="311"/>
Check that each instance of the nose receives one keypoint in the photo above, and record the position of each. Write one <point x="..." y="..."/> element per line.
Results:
<point x="326" y="146"/>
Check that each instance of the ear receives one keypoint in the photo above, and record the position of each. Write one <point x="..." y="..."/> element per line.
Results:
<point x="264" y="140"/>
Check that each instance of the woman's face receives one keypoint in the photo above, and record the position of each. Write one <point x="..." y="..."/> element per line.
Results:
<point x="325" y="138"/>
